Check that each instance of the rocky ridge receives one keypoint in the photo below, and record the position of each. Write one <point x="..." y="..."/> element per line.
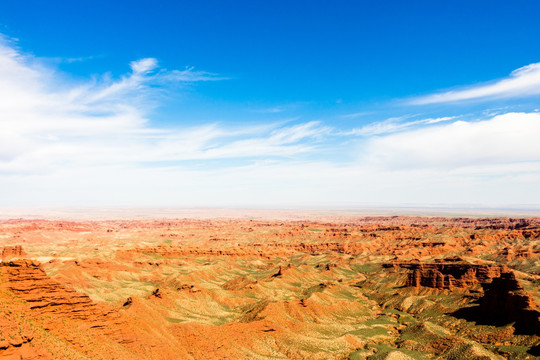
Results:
<point x="212" y="289"/>
<point x="448" y="274"/>
<point x="506" y="301"/>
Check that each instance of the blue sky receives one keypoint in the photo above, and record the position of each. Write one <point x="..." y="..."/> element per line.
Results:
<point x="269" y="104"/>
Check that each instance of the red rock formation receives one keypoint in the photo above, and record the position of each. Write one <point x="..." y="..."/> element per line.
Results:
<point x="280" y="271"/>
<point x="239" y="283"/>
<point x="519" y="252"/>
<point x="20" y="346"/>
<point x="157" y="293"/>
<point x="188" y="258"/>
<point x="27" y="280"/>
<point x="506" y="301"/>
<point x="95" y="330"/>
<point x="251" y="250"/>
<point x="12" y="251"/>
<point x="448" y="275"/>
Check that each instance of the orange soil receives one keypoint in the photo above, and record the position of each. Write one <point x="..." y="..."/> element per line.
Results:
<point x="242" y="289"/>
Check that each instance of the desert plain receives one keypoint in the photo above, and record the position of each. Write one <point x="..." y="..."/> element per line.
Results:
<point x="325" y="287"/>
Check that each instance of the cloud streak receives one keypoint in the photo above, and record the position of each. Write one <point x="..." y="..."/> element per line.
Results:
<point x="95" y="142"/>
<point x="522" y="82"/>
<point x="46" y="124"/>
<point x="395" y="124"/>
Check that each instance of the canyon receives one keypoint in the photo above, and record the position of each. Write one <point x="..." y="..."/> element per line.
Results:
<point x="327" y="287"/>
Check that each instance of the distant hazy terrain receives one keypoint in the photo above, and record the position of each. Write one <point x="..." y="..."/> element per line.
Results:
<point x="128" y="213"/>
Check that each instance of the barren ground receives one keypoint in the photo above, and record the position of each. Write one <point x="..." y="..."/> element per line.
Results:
<point x="329" y="288"/>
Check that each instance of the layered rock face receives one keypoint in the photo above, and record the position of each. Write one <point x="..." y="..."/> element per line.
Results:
<point x="12" y="251"/>
<point x="253" y="250"/>
<point x="506" y="301"/>
<point x="449" y="275"/>
<point x="84" y="328"/>
<point x="27" y="280"/>
<point x="248" y="288"/>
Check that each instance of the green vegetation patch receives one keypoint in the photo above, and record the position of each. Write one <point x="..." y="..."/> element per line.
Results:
<point x="381" y="320"/>
<point x="382" y="351"/>
<point x="370" y="332"/>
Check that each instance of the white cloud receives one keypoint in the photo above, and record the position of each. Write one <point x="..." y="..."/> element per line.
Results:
<point x="94" y="143"/>
<point x="272" y="110"/>
<point x="395" y="124"/>
<point x="143" y="66"/>
<point x="524" y="81"/>
<point x="357" y="114"/>
<point x="503" y="139"/>
<point x="46" y="124"/>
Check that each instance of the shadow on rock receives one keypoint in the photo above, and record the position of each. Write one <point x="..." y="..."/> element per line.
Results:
<point x="504" y="302"/>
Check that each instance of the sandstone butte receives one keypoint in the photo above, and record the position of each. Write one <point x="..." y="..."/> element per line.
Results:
<point x="325" y="288"/>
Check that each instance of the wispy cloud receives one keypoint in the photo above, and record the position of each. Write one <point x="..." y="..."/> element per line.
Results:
<point x="47" y="124"/>
<point x="145" y="73"/>
<point x="278" y="109"/>
<point x="94" y="142"/>
<point x="524" y="81"/>
<point x="272" y="110"/>
<point x="396" y="124"/>
<point x="357" y="114"/>
<point x="70" y="60"/>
